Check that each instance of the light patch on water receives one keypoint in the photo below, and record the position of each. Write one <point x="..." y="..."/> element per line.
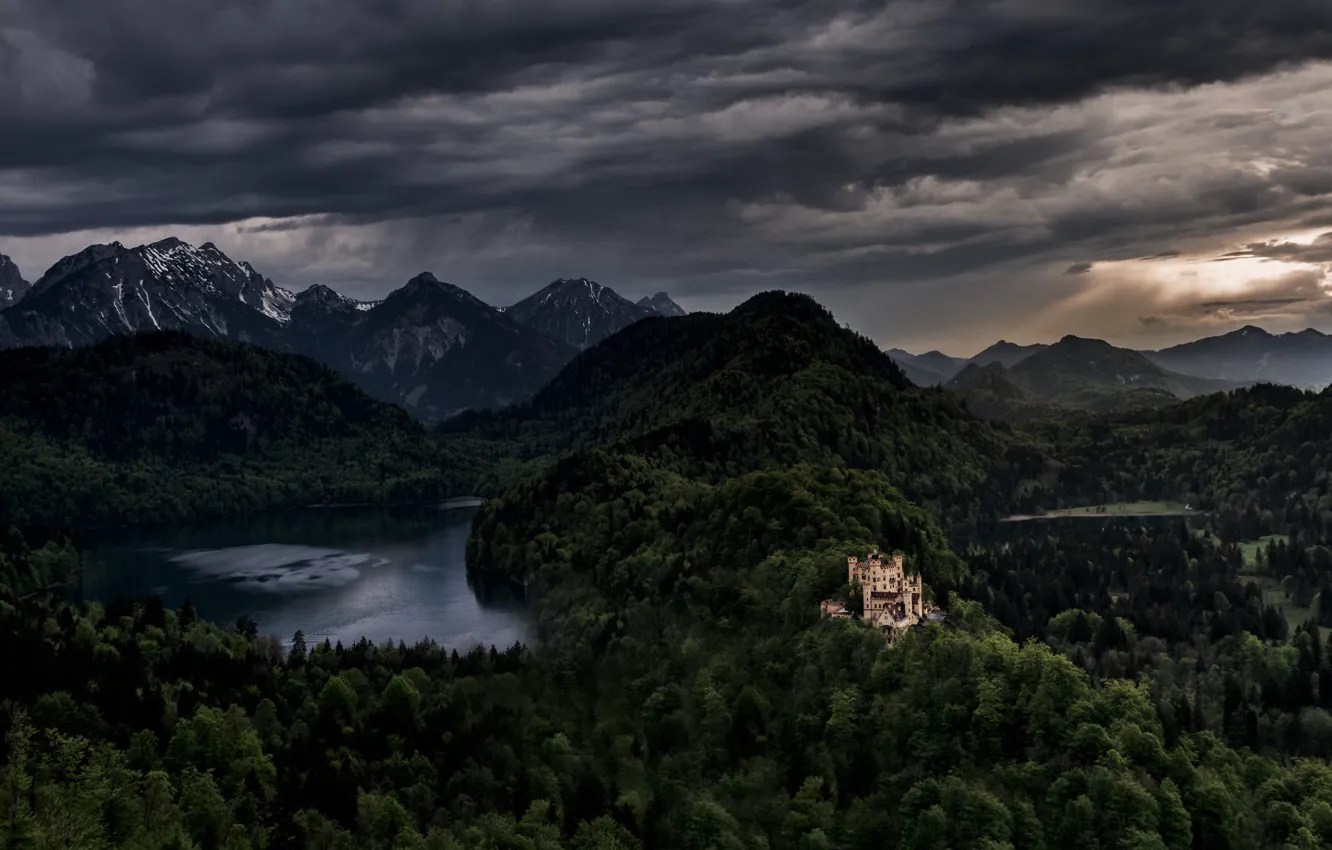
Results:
<point x="276" y="568"/>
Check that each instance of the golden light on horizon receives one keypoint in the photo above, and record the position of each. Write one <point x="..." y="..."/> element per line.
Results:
<point x="1280" y="281"/>
<point x="1238" y="271"/>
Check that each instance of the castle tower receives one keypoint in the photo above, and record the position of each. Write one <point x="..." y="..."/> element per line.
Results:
<point x="888" y="591"/>
<point x="915" y="596"/>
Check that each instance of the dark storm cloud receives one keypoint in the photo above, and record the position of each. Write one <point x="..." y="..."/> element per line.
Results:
<point x="728" y="141"/>
<point x="941" y="55"/>
<point x="1317" y="251"/>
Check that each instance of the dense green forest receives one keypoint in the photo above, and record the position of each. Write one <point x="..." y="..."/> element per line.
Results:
<point x="166" y="426"/>
<point x="774" y="383"/>
<point x="1257" y="457"/>
<point x="678" y="502"/>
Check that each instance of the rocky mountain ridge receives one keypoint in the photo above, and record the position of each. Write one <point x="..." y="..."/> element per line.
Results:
<point x="661" y="304"/>
<point x="577" y="311"/>
<point x="430" y="346"/>
<point x="12" y="285"/>
<point x="168" y="285"/>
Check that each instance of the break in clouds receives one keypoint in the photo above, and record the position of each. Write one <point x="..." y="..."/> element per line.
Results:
<point x="940" y="173"/>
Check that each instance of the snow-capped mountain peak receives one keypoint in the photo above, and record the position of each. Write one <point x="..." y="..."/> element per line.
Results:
<point x="577" y="311"/>
<point x="109" y="289"/>
<point x="324" y="297"/>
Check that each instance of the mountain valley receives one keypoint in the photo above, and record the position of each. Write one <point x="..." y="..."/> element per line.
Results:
<point x="677" y="504"/>
<point x="981" y="499"/>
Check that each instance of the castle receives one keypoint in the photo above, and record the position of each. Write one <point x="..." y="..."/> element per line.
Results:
<point x="892" y="598"/>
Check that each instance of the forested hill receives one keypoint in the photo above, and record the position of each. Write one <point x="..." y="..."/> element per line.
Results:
<point x="688" y="367"/>
<point x="679" y="616"/>
<point x="185" y="398"/>
<point x="1256" y="457"/>
<point x="162" y="426"/>
<point x="774" y="383"/>
<point x="686" y="694"/>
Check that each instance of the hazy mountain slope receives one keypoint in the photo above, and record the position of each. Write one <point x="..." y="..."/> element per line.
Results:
<point x="1251" y="354"/>
<point x="919" y="375"/>
<point x="578" y="312"/>
<point x="929" y="369"/>
<point x="935" y="367"/>
<point x="1007" y="353"/>
<point x="1092" y="374"/>
<point x="1247" y="355"/>
<point x="939" y="362"/>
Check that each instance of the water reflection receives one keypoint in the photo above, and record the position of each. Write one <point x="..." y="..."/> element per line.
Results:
<point x="342" y="573"/>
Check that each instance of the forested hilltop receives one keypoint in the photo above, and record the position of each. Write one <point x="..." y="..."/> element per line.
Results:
<point x="679" y="501"/>
<point x="167" y="426"/>
<point x="774" y="383"/>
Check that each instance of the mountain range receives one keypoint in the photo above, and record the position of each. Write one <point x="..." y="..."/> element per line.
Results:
<point x="430" y="346"/>
<point x="935" y="367"/>
<point x="1301" y="359"/>
<point x="436" y="349"/>
<point x="1248" y="355"/>
<point x="1077" y="373"/>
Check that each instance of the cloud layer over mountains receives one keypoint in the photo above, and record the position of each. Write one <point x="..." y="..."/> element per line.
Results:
<point x="915" y="164"/>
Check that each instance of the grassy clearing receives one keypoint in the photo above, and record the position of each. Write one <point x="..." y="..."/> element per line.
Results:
<point x="1296" y="615"/>
<point x="1116" y="509"/>
<point x="1251" y="548"/>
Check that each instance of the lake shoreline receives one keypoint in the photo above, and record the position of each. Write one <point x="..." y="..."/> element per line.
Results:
<point x="447" y="504"/>
<point x="369" y="571"/>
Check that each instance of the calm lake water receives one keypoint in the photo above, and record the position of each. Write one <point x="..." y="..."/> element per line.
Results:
<point x="340" y="573"/>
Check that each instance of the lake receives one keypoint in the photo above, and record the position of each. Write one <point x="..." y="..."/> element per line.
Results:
<point x="336" y="573"/>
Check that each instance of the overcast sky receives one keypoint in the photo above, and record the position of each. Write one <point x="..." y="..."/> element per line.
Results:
<point x="940" y="173"/>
